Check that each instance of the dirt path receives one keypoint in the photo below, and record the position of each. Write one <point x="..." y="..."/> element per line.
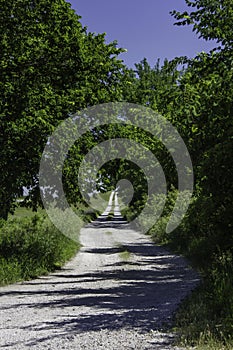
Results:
<point x="116" y="294"/>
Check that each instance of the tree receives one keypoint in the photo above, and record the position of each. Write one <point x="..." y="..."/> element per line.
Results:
<point x="206" y="89"/>
<point x="212" y="20"/>
<point x="154" y="87"/>
<point x="203" y="115"/>
<point x="50" y="66"/>
<point x="198" y="101"/>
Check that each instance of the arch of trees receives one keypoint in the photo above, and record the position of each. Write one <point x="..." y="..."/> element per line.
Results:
<point x="50" y="67"/>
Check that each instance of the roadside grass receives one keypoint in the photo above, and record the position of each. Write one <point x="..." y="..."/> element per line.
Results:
<point x="31" y="246"/>
<point x="205" y="319"/>
<point x="207" y="342"/>
<point x="199" y="324"/>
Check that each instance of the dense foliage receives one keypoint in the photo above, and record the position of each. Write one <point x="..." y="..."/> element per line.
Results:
<point x="49" y="67"/>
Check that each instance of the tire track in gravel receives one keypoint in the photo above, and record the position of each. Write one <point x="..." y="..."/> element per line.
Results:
<point x="103" y="298"/>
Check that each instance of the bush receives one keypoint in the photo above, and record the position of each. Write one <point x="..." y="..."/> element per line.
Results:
<point x="158" y="203"/>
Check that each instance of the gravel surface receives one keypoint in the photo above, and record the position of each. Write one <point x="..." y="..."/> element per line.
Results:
<point x="119" y="292"/>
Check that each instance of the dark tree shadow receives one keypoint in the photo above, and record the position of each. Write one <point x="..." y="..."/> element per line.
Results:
<point x="143" y="298"/>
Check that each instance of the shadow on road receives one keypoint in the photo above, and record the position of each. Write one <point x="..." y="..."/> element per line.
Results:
<point x="121" y="295"/>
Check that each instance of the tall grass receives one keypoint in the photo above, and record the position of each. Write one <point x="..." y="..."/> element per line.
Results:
<point x="30" y="247"/>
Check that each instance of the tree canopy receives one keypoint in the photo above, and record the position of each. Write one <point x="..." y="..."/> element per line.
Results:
<point x="50" y="66"/>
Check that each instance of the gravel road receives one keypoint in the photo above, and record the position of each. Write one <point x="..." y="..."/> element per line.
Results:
<point x="117" y="293"/>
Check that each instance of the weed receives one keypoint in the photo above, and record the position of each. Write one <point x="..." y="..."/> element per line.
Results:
<point x="124" y="253"/>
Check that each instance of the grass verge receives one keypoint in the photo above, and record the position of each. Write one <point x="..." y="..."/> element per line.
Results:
<point x="30" y="247"/>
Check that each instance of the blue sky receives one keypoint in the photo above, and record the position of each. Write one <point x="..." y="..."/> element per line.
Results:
<point x="144" y="27"/>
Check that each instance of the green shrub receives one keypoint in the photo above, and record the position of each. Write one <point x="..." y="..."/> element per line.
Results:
<point x="158" y="203"/>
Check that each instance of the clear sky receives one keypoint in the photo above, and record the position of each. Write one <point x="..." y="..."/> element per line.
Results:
<point x="144" y="27"/>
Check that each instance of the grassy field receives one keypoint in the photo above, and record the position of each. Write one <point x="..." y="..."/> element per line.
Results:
<point x="22" y="212"/>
